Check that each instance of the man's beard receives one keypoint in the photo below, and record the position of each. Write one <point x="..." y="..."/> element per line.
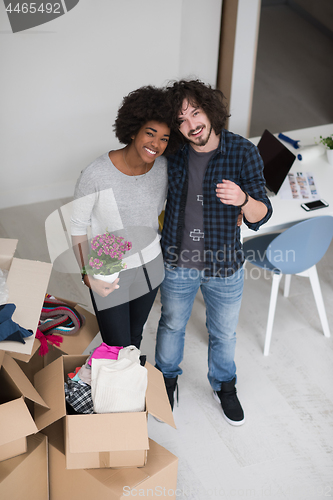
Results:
<point x="203" y="141"/>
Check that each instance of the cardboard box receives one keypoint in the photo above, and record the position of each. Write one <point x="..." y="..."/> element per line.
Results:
<point x="2" y="355"/>
<point x="100" y="440"/>
<point x="26" y="477"/>
<point x="32" y="363"/>
<point x="158" y="478"/>
<point x="76" y="343"/>
<point x="79" y="341"/>
<point x="16" y="421"/>
<point x="27" y="283"/>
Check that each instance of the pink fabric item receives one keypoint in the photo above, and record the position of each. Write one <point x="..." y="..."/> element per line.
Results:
<point x="44" y="339"/>
<point x="105" y="351"/>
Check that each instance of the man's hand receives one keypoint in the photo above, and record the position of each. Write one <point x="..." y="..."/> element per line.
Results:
<point x="240" y="218"/>
<point x="230" y="193"/>
<point x="100" y="287"/>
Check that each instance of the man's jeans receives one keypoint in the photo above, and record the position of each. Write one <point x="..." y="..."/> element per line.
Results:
<point x="222" y="297"/>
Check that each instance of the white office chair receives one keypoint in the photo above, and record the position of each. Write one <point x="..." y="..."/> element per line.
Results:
<point x="295" y="251"/>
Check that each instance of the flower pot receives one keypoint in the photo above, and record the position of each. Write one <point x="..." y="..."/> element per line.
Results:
<point x="109" y="278"/>
<point x="329" y="153"/>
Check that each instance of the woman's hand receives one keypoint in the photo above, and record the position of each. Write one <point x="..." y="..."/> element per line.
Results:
<point x="240" y="218"/>
<point x="100" y="287"/>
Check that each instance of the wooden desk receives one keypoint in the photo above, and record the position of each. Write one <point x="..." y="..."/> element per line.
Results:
<point x="288" y="212"/>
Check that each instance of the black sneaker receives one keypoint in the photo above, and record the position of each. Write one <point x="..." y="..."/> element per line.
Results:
<point x="171" y="386"/>
<point x="231" y="407"/>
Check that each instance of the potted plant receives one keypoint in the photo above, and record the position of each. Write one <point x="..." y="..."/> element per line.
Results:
<point x="328" y="143"/>
<point x="105" y="259"/>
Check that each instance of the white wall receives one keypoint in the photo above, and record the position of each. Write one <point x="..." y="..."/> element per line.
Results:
<point x="62" y="83"/>
<point x="245" y="54"/>
<point x="200" y="39"/>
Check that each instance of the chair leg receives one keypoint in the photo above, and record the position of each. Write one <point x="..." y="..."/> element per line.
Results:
<point x="271" y="311"/>
<point x="313" y="275"/>
<point x="287" y="281"/>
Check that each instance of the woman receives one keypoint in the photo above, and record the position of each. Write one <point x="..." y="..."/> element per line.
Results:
<point x="123" y="192"/>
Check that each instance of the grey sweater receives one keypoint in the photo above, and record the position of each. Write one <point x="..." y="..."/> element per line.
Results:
<point x="105" y="199"/>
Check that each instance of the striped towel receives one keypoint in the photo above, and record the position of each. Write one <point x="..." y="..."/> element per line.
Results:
<point x="59" y="317"/>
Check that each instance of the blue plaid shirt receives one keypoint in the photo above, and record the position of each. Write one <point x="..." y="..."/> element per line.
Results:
<point x="236" y="159"/>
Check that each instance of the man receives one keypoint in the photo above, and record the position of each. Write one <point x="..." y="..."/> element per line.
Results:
<point x="212" y="177"/>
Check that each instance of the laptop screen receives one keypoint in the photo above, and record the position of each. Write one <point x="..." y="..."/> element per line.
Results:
<point x="277" y="160"/>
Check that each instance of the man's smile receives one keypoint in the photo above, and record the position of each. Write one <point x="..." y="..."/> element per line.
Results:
<point x="197" y="131"/>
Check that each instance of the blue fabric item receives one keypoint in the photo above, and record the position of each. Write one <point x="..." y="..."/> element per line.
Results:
<point x="9" y="330"/>
<point x="16" y="337"/>
<point x="236" y="159"/>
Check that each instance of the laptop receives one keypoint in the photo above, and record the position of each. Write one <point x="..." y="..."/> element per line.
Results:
<point x="277" y="159"/>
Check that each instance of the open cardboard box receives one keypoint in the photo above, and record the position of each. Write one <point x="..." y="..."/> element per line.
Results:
<point x="30" y="363"/>
<point x="76" y="343"/>
<point x="26" y="477"/>
<point x="27" y="283"/>
<point x="158" y="478"/>
<point x="100" y="440"/>
<point x="16" y="421"/>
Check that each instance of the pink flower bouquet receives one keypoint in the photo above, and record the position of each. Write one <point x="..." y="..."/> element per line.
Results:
<point x="107" y="252"/>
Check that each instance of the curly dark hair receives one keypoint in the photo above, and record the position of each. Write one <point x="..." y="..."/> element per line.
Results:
<point x="211" y="101"/>
<point x="139" y="107"/>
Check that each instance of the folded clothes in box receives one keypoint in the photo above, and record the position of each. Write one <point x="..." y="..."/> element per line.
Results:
<point x="100" y="440"/>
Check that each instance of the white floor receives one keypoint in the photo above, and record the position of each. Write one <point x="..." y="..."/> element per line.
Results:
<point x="285" y="448"/>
